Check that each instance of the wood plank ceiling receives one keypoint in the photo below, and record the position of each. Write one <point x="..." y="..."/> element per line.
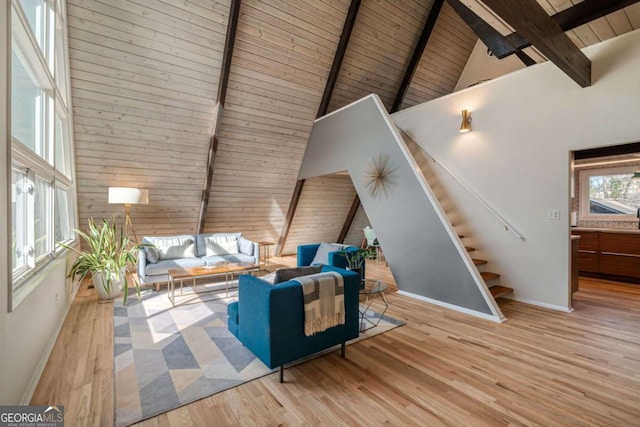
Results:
<point x="144" y="79"/>
<point x="144" y="76"/>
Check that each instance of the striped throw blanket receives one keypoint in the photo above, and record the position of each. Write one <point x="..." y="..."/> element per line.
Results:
<point x="323" y="301"/>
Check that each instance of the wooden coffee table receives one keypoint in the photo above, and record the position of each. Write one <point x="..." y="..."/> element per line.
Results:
<point x="193" y="273"/>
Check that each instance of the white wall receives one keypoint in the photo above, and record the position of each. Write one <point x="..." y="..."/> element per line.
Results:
<point x="517" y="156"/>
<point x="28" y="333"/>
<point x="481" y="67"/>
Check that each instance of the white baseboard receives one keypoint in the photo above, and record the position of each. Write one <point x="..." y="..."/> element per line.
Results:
<point x="453" y="307"/>
<point x="543" y="305"/>
<point x="35" y="378"/>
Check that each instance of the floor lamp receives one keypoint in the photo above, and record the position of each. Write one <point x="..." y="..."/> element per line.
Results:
<point x="129" y="196"/>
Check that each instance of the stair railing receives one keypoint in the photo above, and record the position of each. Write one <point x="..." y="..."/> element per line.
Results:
<point x="505" y="223"/>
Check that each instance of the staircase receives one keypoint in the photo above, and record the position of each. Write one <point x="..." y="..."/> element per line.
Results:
<point x="424" y="162"/>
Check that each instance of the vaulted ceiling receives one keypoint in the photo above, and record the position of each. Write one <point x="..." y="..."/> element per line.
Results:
<point x="145" y="80"/>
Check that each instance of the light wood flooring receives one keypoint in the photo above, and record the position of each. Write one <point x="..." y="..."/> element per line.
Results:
<point x="541" y="367"/>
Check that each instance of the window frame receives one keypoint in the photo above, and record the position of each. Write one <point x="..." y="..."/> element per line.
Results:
<point x="584" y="211"/>
<point x="41" y="64"/>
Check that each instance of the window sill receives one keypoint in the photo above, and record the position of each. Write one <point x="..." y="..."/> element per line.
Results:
<point x="33" y="279"/>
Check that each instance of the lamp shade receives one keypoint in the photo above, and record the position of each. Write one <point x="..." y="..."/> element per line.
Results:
<point x="129" y="196"/>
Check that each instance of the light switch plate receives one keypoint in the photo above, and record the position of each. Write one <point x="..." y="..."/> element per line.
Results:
<point x="553" y="214"/>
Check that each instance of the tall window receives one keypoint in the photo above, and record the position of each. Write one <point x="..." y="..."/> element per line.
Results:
<point x="609" y="194"/>
<point x="42" y="196"/>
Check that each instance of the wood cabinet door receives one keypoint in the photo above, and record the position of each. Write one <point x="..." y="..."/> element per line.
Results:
<point x="587" y="251"/>
<point x="619" y="254"/>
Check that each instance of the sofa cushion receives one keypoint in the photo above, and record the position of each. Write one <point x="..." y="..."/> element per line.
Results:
<point x="172" y="247"/>
<point x="286" y="274"/>
<point x="245" y="246"/>
<point x="221" y="245"/>
<point x="322" y="255"/>
<point x="162" y="266"/>
<point x="201" y="241"/>
<point x="152" y="254"/>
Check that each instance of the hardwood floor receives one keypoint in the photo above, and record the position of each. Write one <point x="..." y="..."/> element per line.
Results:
<point x="443" y="368"/>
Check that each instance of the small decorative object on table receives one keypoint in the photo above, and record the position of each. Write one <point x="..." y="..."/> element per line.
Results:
<point x="355" y="260"/>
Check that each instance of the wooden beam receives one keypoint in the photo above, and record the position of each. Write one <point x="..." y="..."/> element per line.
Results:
<point x="332" y="78"/>
<point x="575" y="16"/>
<point x="341" y="50"/>
<point x="349" y="220"/>
<point x="429" y="25"/>
<point x="528" y="18"/>
<point x="495" y="42"/>
<point x="295" y="198"/>
<point x="223" y="80"/>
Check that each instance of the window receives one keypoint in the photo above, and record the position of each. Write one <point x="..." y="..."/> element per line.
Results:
<point x="609" y="194"/>
<point x="28" y="108"/>
<point x="42" y="195"/>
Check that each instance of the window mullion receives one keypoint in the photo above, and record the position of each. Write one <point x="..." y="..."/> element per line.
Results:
<point x="30" y="218"/>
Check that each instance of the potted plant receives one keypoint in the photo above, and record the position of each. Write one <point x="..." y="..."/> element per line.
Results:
<point x="109" y="255"/>
<point x="355" y="259"/>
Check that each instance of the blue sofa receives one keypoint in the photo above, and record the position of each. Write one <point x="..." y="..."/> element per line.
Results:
<point x="306" y="254"/>
<point x="269" y="319"/>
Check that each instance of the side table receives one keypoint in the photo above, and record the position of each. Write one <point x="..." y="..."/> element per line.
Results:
<point x="372" y="290"/>
<point x="264" y="260"/>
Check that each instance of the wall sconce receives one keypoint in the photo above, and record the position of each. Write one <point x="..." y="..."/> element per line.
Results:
<point x="466" y="122"/>
<point x="128" y="197"/>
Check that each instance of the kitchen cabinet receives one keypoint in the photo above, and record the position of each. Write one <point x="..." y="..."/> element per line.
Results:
<point x="609" y="253"/>
<point x="587" y="250"/>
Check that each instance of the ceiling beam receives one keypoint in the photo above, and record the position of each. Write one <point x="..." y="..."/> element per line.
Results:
<point x="529" y="19"/>
<point x="495" y="42"/>
<point x="575" y="16"/>
<point x="429" y="25"/>
<point x="349" y="220"/>
<point x="332" y="78"/>
<point x="223" y="80"/>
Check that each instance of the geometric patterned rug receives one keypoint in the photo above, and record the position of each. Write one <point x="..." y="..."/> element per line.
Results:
<point x="167" y="356"/>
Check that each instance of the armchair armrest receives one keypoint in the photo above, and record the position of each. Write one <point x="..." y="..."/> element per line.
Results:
<point x="257" y="301"/>
<point x="142" y="264"/>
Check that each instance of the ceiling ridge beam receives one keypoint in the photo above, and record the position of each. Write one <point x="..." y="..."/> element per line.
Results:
<point x="332" y="78"/>
<point x="528" y="18"/>
<point x="429" y="25"/>
<point x="223" y="81"/>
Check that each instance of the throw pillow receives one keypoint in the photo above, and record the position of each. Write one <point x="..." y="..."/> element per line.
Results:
<point x="322" y="255"/>
<point x="246" y="246"/>
<point x="185" y="249"/>
<point x="286" y="274"/>
<point x="221" y="245"/>
<point x="152" y="254"/>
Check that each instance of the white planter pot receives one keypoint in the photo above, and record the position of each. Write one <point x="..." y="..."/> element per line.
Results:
<point x="116" y="285"/>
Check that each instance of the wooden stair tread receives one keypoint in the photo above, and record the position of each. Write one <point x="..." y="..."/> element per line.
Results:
<point x="469" y="248"/>
<point x="498" y="291"/>
<point x="480" y="261"/>
<point x="489" y="276"/>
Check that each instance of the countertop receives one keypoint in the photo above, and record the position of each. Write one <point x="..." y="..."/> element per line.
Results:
<point x="608" y="230"/>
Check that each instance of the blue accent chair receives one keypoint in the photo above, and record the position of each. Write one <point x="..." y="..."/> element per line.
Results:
<point x="269" y="320"/>
<point x="306" y="253"/>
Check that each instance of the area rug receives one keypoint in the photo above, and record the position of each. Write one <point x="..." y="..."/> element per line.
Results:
<point x="167" y="356"/>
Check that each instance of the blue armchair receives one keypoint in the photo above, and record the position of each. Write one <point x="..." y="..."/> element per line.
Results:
<point x="269" y="320"/>
<point x="306" y="253"/>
